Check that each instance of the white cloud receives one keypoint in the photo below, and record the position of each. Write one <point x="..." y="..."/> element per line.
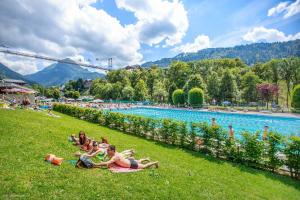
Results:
<point x="66" y="29"/>
<point x="71" y="28"/>
<point x="269" y="35"/>
<point x="200" y="42"/>
<point x="278" y="9"/>
<point x="289" y="9"/>
<point x="158" y="20"/>
<point x="23" y="66"/>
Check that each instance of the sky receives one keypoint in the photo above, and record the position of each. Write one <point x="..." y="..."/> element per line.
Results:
<point x="135" y="31"/>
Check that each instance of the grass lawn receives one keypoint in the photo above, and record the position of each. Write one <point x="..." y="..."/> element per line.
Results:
<point x="27" y="136"/>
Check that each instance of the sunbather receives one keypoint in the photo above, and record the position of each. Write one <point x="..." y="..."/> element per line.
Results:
<point x="93" y="152"/>
<point x="81" y="138"/>
<point x="118" y="159"/>
<point x="87" y="146"/>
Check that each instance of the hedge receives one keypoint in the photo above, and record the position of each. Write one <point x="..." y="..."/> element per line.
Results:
<point x="250" y="150"/>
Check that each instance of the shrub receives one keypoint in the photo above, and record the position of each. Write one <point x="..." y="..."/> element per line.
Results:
<point x="183" y="133"/>
<point x="165" y="130"/>
<point x="296" y="98"/>
<point x="192" y="136"/>
<point x="274" y="146"/>
<point x="253" y="148"/>
<point x="231" y="150"/>
<point x="292" y="153"/>
<point x="214" y="139"/>
<point x="195" y="97"/>
<point x="178" y="97"/>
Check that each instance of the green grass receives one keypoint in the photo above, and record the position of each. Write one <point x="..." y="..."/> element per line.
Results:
<point x="27" y="136"/>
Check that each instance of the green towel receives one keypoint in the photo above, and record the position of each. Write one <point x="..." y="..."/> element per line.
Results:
<point x="72" y="162"/>
<point x="100" y="156"/>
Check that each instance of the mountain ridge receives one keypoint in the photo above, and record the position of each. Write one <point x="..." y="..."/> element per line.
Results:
<point x="249" y="53"/>
<point x="60" y="73"/>
<point x="6" y="72"/>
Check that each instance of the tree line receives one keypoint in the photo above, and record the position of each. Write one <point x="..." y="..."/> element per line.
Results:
<point x="221" y="80"/>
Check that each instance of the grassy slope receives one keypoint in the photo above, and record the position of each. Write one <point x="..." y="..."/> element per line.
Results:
<point x="27" y="136"/>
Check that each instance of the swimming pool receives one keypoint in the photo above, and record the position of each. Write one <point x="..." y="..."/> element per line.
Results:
<point x="240" y="122"/>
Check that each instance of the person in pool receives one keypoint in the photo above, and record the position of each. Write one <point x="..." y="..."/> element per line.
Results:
<point x="230" y="132"/>
<point x="118" y="159"/>
<point x="213" y="122"/>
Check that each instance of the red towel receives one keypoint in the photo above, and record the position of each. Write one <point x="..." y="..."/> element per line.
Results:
<point x="117" y="169"/>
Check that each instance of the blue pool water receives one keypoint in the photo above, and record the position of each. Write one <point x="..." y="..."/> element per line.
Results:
<point x="240" y="122"/>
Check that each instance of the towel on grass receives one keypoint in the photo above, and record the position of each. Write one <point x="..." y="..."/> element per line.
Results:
<point x="100" y="157"/>
<point x="72" y="162"/>
<point x="117" y="169"/>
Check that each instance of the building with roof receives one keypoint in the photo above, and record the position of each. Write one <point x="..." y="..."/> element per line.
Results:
<point x="16" y="89"/>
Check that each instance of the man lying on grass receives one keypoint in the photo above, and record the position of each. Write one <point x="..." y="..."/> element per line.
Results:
<point x="118" y="159"/>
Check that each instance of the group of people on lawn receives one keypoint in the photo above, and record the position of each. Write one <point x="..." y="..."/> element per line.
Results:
<point x="94" y="148"/>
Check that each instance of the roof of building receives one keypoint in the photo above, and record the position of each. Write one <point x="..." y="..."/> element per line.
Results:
<point x="14" y="81"/>
<point x="6" y="85"/>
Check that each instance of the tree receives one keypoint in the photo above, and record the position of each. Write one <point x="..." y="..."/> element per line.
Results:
<point x="178" y="73"/>
<point x="96" y="86"/>
<point x="213" y="85"/>
<point x="296" y="98"/>
<point x="249" y="82"/>
<point x="140" y="91"/>
<point x="194" y="81"/>
<point x="286" y="70"/>
<point x="116" y="91"/>
<point x="267" y="91"/>
<point x="228" y="88"/>
<point x="128" y="93"/>
<point x="116" y="76"/>
<point x="195" y="97"/>
<point x="76" y="95"/>
<point x="159" y="94"/>
<point x="135" y="76"/>
<point x="56" y="93"/>
<point x="171" y="89"/>
<point x="153" y="74"/>
<point x="72" y="94"/>
<point x="178" y="97"/>
<point x="79" y="85"/>
<point x="106" y="91"/>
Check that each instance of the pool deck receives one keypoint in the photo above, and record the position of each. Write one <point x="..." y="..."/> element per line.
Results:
<point x="293" y="115"/>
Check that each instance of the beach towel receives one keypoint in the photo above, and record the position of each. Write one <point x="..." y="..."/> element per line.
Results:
<point x="117" y="169"/>
<point x="72" y="162"/>
<point x="100" y="157"/>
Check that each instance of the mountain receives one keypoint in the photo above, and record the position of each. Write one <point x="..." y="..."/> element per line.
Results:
<point x="60" y="73"/>
<point x="250" y="54"/>
<point x="5" y="72"/>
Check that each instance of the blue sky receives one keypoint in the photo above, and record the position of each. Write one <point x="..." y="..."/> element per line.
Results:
<point x="217" y="19"/>
<point x="135" y="31"/>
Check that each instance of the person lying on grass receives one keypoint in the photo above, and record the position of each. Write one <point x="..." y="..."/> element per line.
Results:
<point x="104" y="145"/>
<point x="102" y="150"/>
<point x="88" y="145"/>
<point x="80" y="140"/>
<point x="118" y="159"/>
<point x="94" y="151"/>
